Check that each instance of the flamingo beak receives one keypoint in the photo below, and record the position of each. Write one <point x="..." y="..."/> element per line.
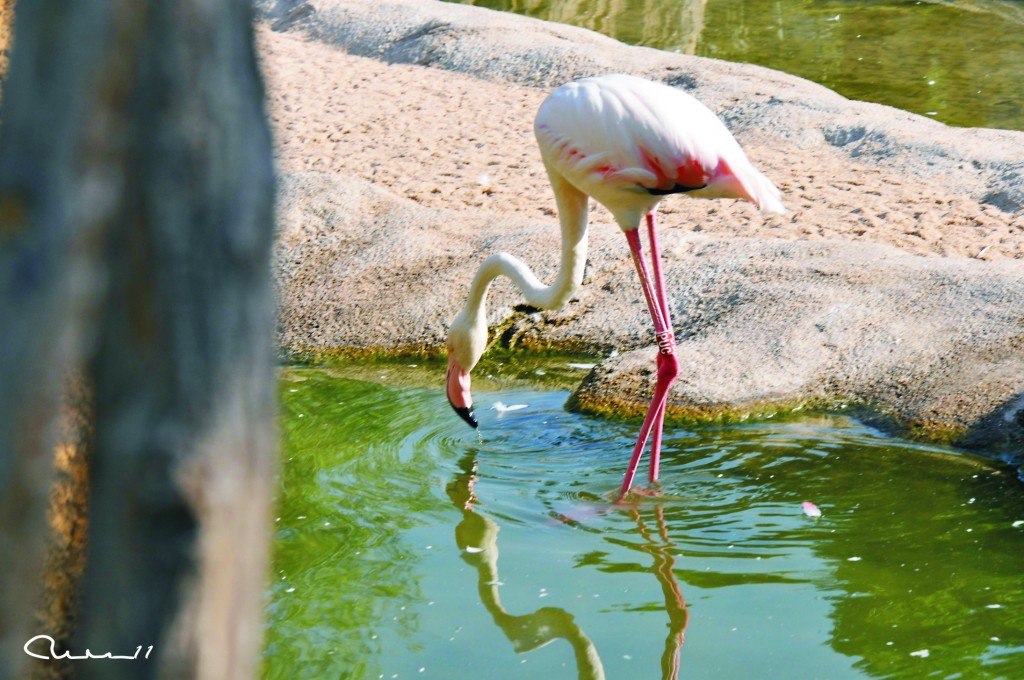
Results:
<point x="457" y="387"/>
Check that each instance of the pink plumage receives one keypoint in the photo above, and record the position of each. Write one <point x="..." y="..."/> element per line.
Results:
<point x="618" y="137"/>
<point x="627" y="143"/>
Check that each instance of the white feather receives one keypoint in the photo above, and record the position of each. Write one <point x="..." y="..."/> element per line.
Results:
<point x="616" y="136"/>
<point x="502" y="408"/>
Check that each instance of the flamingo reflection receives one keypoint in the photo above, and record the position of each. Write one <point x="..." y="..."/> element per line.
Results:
<point x="675" y="604"/>
<point x="477" y="538"/>
<point x="658" y="544"/>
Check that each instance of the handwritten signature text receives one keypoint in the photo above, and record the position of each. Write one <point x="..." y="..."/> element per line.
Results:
<point x="54" y="654"/>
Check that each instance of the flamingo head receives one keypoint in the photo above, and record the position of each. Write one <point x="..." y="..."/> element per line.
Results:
<point x="467" y="340"/>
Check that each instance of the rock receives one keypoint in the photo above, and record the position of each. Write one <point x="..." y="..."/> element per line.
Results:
<point x="930" y="346"/>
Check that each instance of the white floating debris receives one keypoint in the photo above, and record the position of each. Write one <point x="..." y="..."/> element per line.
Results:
<point x="853" y="559"/>
<point x="473" y="549"/>
<point x="810" y="509"/>
<point x="1018" y="524"/>
<point x="582" y="367"/>
<point x="502" y="408"/>
<point x="540" y="372"/>
<point x="290" y="590"/>
<point x="922" y="653"/>
<point x="993" y="606"/>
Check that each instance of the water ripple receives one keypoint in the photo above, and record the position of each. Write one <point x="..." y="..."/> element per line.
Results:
<point x="382" y="489"/>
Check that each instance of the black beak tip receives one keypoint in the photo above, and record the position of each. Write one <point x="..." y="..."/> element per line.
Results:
<point x="466" y="413"/>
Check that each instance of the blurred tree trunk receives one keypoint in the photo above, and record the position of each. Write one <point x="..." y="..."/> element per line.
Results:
<point x="136" y="193"/>
<point x="6" y="19"/>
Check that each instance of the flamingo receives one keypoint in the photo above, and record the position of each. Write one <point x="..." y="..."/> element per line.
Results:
<point x="627" y="143"/>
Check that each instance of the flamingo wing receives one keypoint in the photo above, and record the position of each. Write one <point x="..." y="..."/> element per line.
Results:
<point x="627" y="142"/>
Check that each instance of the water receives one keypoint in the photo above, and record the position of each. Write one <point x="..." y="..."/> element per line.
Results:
<point x="407" y="546"/>
<point x="958" y="61"/>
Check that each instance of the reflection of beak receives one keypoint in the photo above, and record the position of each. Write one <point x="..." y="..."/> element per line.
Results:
<point x="457" y="387"/>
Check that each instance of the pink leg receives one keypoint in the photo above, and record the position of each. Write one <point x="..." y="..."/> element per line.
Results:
<point x="666" y="343"/>
<point x="659" y="280"/>
<point x="659" y="422"/>
<point x="668" y="363"/>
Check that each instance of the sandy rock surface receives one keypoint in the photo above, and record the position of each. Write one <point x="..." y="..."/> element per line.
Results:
<point x="404" y="137"/>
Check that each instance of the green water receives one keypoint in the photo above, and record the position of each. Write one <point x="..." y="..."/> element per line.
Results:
<point x="957" y="61"/>
<point x="407" y="546"/>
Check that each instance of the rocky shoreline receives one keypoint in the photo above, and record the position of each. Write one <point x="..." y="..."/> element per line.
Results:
<point x="406" y="157"/>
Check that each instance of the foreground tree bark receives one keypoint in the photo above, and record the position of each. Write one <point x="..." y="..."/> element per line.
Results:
<point x="136" y="222"/>
<point x="6" y="18"/>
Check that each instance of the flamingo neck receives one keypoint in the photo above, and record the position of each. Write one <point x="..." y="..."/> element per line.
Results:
<point x="572" y="214"/>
